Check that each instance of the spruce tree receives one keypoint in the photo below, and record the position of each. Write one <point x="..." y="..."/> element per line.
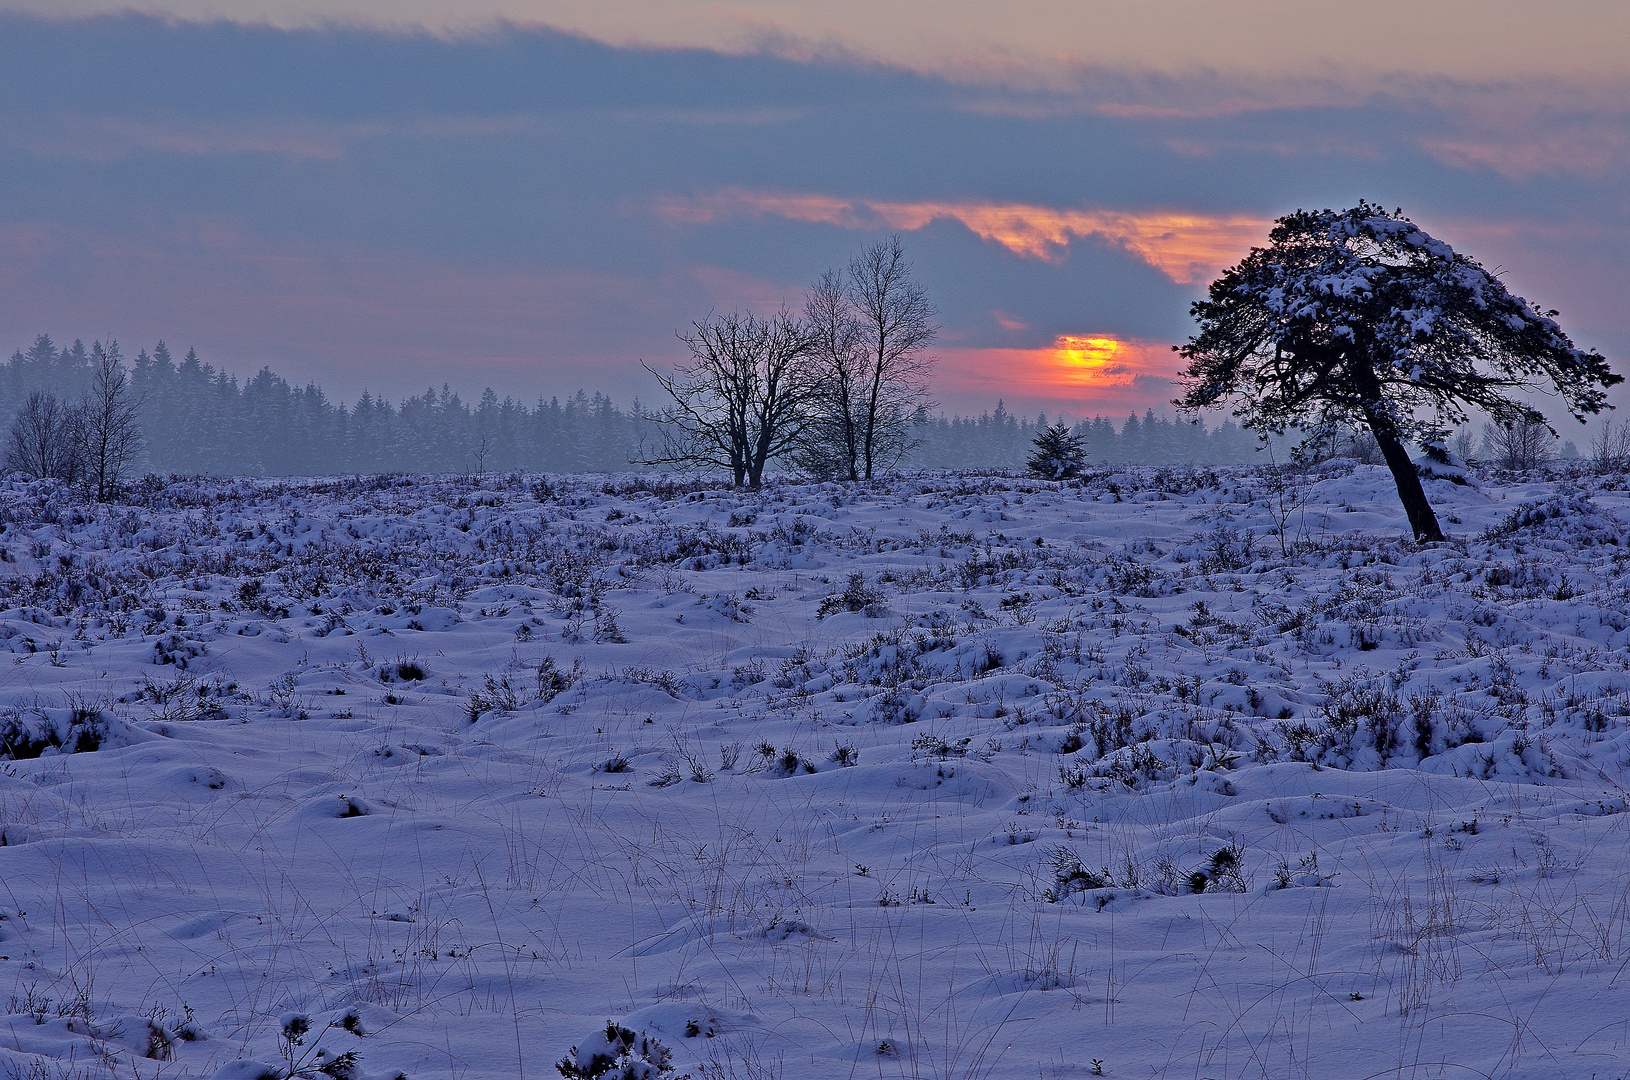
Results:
<point x="1059" y="455"/>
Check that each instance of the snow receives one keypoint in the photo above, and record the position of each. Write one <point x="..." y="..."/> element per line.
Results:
<point x="1166" y="770"/>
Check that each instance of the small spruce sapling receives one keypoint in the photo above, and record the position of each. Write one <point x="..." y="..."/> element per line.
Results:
<point x="1059" y="455"/>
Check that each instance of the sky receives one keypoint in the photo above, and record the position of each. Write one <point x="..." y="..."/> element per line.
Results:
<point x="535" y="196"/>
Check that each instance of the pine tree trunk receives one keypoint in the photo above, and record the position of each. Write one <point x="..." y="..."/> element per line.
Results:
<point x="1423" y="522"/>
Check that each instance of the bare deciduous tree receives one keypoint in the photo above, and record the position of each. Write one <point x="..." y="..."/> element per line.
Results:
<point x="896" y="327"/>
<point x="45" y="438"/>
<point x="832" y="441"/>
<point x="110" y="437"/>
<point x="1465" y="444"/>
<point x="1521" y="444"/>
<point x="744" y="397"/>
<point x="1610" y="449"/>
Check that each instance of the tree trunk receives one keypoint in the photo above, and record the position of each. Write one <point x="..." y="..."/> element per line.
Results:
<point x="873" y="399"/>
<point x="1423" y="522"/>
<point x="866" y="438"/>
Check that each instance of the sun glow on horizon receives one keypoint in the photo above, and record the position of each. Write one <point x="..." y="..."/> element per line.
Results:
<point x="1079" y="372"/>
<point x="1091" y="361"/>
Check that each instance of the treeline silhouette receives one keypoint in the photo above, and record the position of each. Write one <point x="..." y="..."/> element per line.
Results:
<point x="197" y="418"/>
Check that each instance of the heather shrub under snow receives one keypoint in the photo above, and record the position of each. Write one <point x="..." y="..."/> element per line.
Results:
<point x="942" y="775"/>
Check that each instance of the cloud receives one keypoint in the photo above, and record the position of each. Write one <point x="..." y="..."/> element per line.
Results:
<point x="1186" y="246"/>
<point x="105" y="138"/>
<point x="371" y="206"/>
<point x="1035" y="39"/>
<point x="1584" y="152"/>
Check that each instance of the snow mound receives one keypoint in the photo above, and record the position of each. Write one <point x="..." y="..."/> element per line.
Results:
<point x="31" y="733"/>
<point x="1439" y="464"/>
<point x="1562" y="523"/>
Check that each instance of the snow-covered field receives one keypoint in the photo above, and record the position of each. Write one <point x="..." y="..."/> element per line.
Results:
<point x="943" y="777"/>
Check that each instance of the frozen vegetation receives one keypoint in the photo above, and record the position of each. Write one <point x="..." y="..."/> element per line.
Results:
<point x="1144" y="774"/>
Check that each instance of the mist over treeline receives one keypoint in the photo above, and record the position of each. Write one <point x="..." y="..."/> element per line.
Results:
<point x="196" y="418"/>
<point x="1001" y="440"/>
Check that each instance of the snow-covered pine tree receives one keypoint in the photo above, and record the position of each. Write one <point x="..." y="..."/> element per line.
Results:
<point x="1358" y="317"/>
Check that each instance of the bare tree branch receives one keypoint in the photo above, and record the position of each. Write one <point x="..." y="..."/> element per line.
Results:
<point x="743" y="399"/>
<point x="45" y="438"/>
<point x="833" y="441"/>
<point x="897" y="326"/>
<point x="110" y="438"/>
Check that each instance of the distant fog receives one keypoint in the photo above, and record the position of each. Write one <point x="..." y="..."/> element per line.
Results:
<point x="196" y="418"/>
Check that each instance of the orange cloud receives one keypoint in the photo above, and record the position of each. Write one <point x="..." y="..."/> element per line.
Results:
<point x="1186" y="246"/>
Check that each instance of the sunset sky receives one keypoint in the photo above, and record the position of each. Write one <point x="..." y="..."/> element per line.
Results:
<point x="535" y="195"/>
